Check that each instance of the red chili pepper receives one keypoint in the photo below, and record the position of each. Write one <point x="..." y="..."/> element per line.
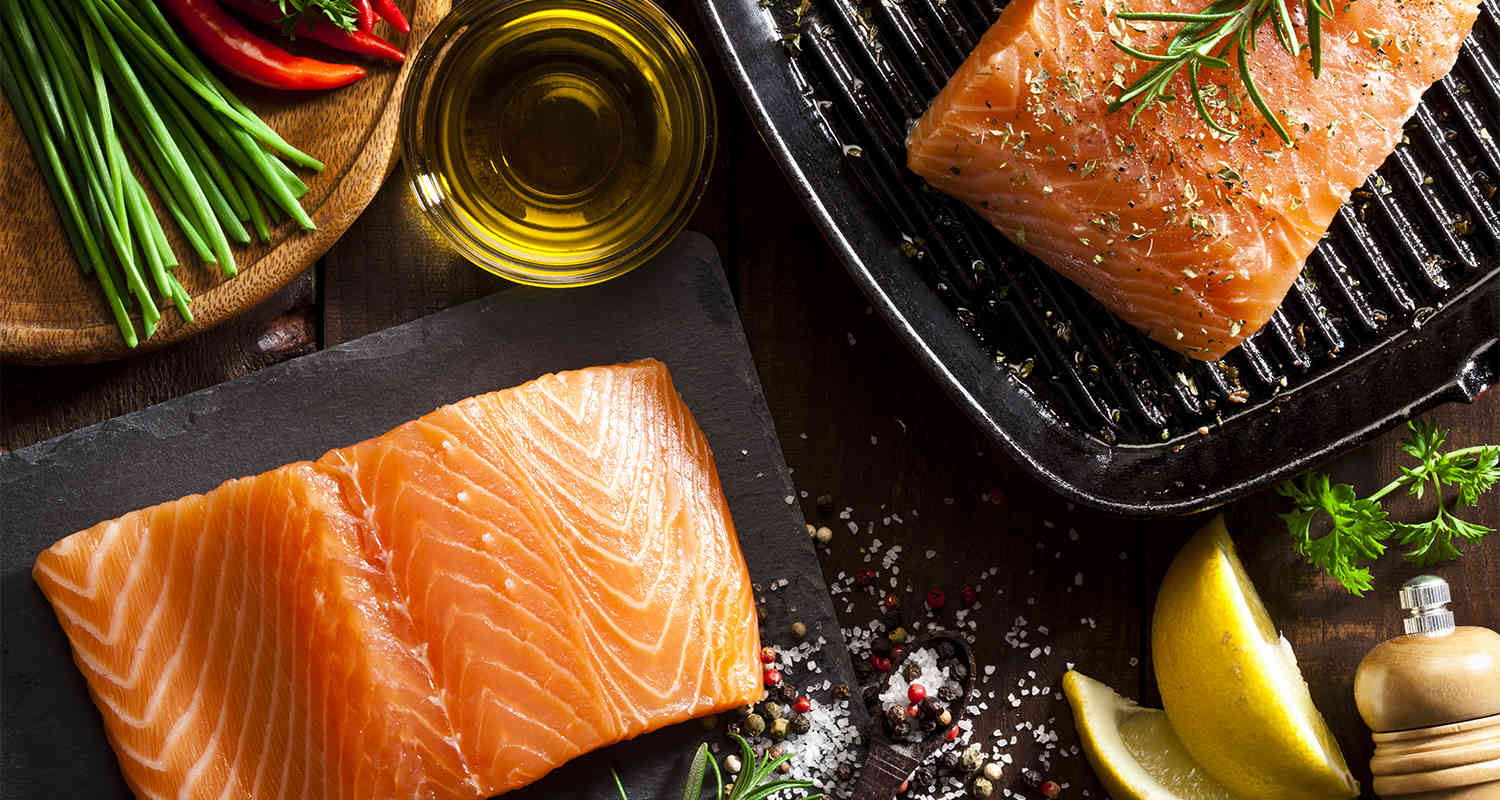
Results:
<point x="388" y="11"/>
<point x="321" y="30"/>
<point x="238" y="50"/>
<point x="364" y="15"/>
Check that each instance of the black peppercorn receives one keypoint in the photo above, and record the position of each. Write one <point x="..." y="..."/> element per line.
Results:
<point x="948" y="694"/>
<point x="949" y="760"/>
<point x="922" y="779"/>
<point x="945" y="649"/>
<point x="930" y="707"/>
<point x="901" y="728"/>
<point x="841" y="691"/>
<point x="845" y="771"/>
<point x="801" y="724"/>
<point x="894" y="715"/>
<point x="911" y="672"/>
<point x="1032" y="778"/>
<point x="789" y="693"/>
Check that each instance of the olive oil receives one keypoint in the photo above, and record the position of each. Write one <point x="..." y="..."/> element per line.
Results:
<point x="569" y="137"/>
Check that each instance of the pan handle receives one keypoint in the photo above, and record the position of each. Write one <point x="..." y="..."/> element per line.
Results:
<point x="885" y="770"/>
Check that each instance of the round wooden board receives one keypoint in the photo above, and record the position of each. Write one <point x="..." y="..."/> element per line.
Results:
<point x="52" y="312"/>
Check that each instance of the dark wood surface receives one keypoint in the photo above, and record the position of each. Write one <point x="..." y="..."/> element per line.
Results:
<point x="861" y="422"/>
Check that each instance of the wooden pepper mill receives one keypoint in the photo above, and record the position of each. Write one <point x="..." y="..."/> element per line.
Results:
<point x="1432" y="699"/>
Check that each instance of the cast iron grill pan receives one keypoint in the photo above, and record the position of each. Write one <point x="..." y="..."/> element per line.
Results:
<point x="1397" y="309"/>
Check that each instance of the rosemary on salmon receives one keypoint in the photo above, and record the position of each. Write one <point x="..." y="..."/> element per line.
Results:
<point x="1208" y="40"/>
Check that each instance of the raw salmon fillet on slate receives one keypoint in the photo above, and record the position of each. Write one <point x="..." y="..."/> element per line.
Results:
<point x="450" y="610"/>
<point x="1183" y="233"/>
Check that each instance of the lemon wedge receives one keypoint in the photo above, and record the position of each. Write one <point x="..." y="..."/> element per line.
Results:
<point x="1134" y="750"/>
<point x="1230" y="684"/>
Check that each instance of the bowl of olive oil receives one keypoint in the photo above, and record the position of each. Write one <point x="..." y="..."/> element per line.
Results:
<point x="558" y="142"/>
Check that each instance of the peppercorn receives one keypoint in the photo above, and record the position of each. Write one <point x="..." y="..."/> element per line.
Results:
<point x="801" y="724"/>
<point x="728" y="789"/>
<point x="897" y="636"/>
<point x="760" y="613"/>
<point x="812" y="533"/>
<point x="779" y="728"/>
<point x="981" y="788"/>
<point x="972" y="758"/>
<point x="754" y="724"/>
<point x="772" y="710"/>
<point x="1050" y="789"/>
<point x="959" y="671"/>
<point x="865" y="577"/>
<point x="841" y="691"/>
<point x="743" y="711"/>
<point x="775" y="751"/>
<point x="1032" y="778"/>
<point x="945" y="649"/>
<point x="912" y="711"/>
<point x="893" y="715"/>
<point x="788" y="693"/>
<point x="945" y="718"/>
<point x="927" y="724"/>
<point x="732" y="729"/>
<point x="898" y="655"/>
<point x="773" y="677"/>
<point x="901" y="728"/>
<point x="844" y="771"/>
<point x="949" y="760"/>
<point x="911" y="672"/>
<point x="992" y="770"/>
<point x="732" y="764"/>
<point x="802" y="705"/>
<point x="881" y="646"/>
<point x="968" y="595"/>
<point x="799" y="629"/>
<point x="930" y="706"/>
<point x="784" y="767"/>
<point x="936" y="599"/>
<point x="916" y="692"/>
<point x="921" y="780"/>
<point x="952" y="732"/>
<point x="881" y="663"/>
<point x="768" y="655"/>
<point x="948" y="693"/>
<point x="891" y="601"/>
<point x="824" y="535"/>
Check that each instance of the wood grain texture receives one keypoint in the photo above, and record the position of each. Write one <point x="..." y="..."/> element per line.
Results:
<point x="55" y="313"/>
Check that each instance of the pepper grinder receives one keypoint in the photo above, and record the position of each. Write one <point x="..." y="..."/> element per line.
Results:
<point x="1432" y="699"/>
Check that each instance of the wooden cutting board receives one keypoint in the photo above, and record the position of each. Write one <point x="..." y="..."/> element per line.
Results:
<point x="677" y="308"/>
<point x="52" y="312"/>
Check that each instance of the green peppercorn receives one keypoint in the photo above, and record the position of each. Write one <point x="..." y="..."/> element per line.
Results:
<point x="897" y="636"/>
<point x="981" y="788"/>
<point x="772" y="710"/>
<point x="754" y="724"/>
<point x="780" y="728"/>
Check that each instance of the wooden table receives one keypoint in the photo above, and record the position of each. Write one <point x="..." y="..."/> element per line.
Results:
<point x="861" y="422"/>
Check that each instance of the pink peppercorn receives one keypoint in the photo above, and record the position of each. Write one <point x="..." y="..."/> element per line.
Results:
<point x="951" y="734"/>
<point x="969" y="596"/>
<point x="773" y="677"/>
<point x="936" y="599"/>
<point x="881" y="663"/>
<point x="802" y="705"/>
<point x="916" y="692"/>
<point x="767" y="655"/>
<point x="1051" y="789"/>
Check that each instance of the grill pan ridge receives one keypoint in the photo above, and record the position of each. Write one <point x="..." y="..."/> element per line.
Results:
<point x="1397" y="309"/>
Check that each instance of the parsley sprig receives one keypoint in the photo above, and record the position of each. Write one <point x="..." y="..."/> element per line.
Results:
<point x="340" y="13"/>
<point x="1360" y="527"/>
<point x="754" y="781"/>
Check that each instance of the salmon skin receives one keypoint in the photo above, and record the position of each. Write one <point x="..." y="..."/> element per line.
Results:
<point x="449" y="610"/>
<point x="1184" y="233"/>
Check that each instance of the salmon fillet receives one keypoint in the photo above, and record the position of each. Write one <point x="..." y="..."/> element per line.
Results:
<point x="1190" y="236"/>
<point x="449" y="610"/>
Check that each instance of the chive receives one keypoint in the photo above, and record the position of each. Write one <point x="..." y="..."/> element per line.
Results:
<point x="252" y="201"/>
<point x="169" y="194"/>
<point x="27" y="109"/>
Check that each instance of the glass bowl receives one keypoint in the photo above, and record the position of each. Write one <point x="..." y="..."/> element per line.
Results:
<point x="478" y="161"/>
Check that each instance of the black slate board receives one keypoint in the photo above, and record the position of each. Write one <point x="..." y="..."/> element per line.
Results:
<point x="677" y="309"/>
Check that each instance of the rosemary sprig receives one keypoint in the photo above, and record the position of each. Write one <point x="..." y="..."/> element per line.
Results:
<point x="1208" y="39"/>
<point x="753" y="782"/>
